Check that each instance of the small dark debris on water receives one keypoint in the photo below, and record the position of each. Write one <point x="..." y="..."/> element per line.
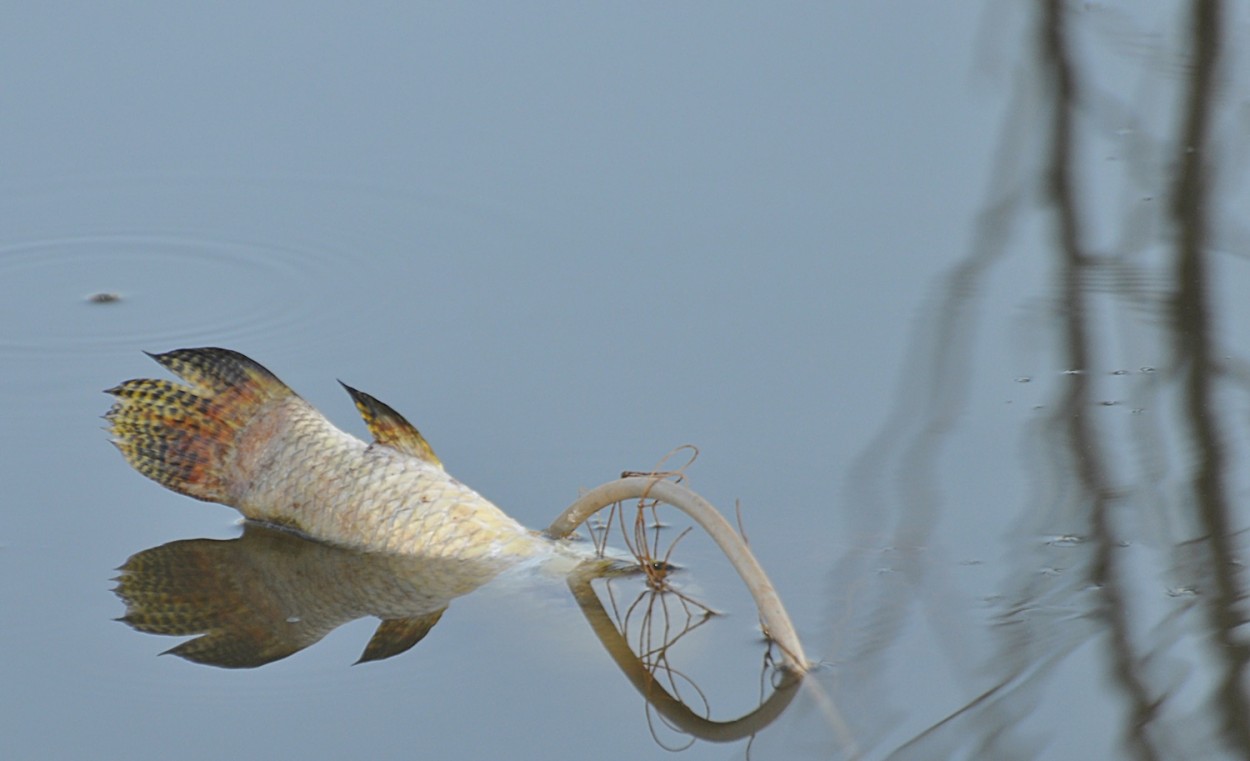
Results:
<point x="104" y="297"/>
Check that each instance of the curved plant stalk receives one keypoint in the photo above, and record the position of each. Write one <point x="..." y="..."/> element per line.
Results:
<point x="773" y="617"/>
<point x="672" y="708"/>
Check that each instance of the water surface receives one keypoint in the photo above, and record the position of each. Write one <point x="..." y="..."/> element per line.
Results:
<point x="948" y="298"/>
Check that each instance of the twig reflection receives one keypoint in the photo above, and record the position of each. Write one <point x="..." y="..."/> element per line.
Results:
<point x="654" y="677"/>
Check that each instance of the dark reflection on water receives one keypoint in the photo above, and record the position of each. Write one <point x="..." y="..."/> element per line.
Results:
<point x="1201" y="367"/>
<point x="270" y="593"/>
<point x="1135" y="478"/>
<point x="658" y="680"/>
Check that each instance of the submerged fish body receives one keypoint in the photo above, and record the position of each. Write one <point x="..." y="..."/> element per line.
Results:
<point x="235" y="434"/>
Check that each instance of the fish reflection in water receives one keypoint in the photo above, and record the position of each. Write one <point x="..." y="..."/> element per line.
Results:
<point x="270" y="593"/>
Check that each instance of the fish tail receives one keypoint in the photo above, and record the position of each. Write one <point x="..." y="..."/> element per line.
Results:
<point x="183" y="435"/>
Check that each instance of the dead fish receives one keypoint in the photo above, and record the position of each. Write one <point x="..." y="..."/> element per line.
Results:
<point x="236" y="434"/>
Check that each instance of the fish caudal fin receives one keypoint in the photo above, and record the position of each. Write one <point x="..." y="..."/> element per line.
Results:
<point x="182" y="436"/>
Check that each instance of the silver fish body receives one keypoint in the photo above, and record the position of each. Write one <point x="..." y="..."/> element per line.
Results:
<point x="235" y="434"/>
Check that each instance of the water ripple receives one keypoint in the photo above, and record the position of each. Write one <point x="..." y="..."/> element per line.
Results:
<point x="100" y="292"/>
<point x="102" y="264"/>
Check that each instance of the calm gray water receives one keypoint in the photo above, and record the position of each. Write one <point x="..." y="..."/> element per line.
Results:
<point x="950" y="300"/>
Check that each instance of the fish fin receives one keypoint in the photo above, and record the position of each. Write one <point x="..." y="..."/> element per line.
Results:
<point x="397" y="635"/>
<point x="181" y="435"/>
<point x="229" y="650"/>
<point x="389" y="428"/>
<point x="214" y="370"/>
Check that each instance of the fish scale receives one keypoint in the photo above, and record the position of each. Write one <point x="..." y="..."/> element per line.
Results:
<point x="237" y="435"/>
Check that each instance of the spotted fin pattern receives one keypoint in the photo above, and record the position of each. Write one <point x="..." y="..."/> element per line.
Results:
<point x="389" y="428"/>
<point x="198" y="587"/>
<point x="181" y="435"/>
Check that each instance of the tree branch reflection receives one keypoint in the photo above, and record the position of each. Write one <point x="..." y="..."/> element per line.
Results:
<point x="1197" y="356"/>
<point x="1096" y="468"/>
<point x="1087" y="449"/>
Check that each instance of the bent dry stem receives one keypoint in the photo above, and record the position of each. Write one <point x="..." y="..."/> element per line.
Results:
<point x="773" y="617"/>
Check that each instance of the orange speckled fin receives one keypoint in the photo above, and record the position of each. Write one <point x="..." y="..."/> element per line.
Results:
<point x="396" y="635"/>
<point x="180" y="435"/>
<point x="215" y="370"/>
<point x="389" y="428"/>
